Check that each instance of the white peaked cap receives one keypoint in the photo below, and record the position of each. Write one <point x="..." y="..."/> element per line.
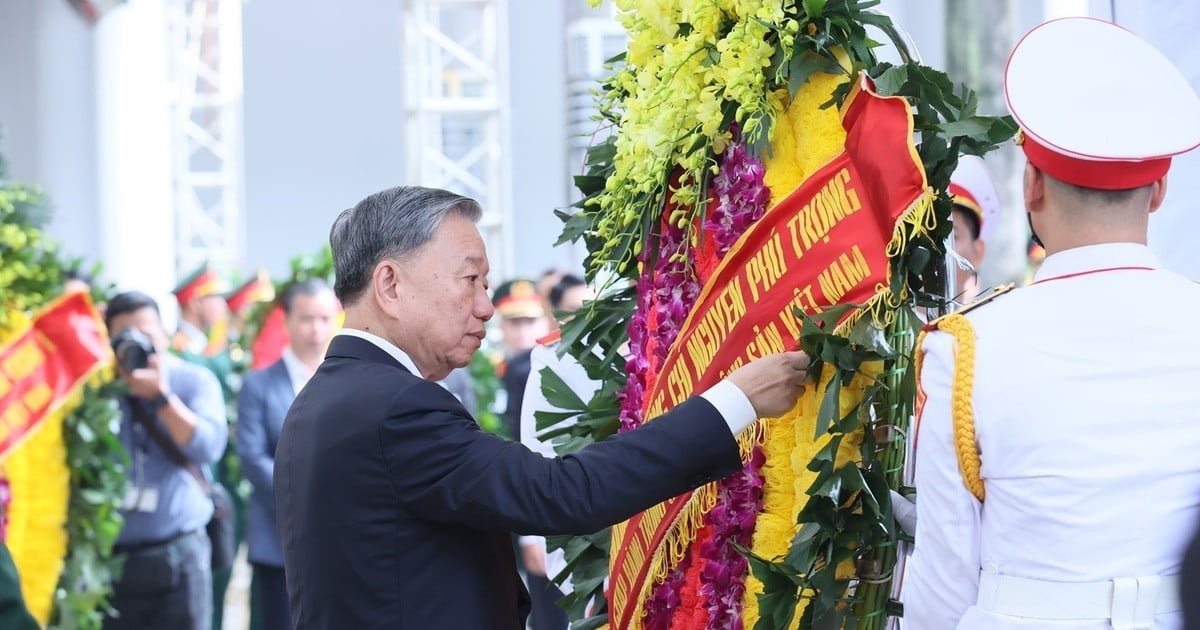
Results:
<point x="971" y="187"/>
<point x="1098" y="106"/>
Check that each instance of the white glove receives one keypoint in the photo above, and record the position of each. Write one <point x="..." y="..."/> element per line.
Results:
<point x="905" y="509"/>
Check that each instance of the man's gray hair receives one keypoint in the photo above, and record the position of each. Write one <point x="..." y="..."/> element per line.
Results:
<point x="390" y="224"/>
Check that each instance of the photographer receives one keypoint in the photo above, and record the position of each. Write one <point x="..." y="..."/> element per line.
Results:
<point x="172" y="424"/>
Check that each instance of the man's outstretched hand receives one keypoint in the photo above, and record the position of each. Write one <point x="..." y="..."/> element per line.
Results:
<point x="773" y="383"/>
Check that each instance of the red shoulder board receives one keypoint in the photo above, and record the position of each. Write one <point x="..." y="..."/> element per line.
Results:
<point x="552" y="338"/>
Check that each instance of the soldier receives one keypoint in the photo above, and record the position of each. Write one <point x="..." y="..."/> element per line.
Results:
<point x="976" y="213"/>
<point x="201" y="309"/>
<point x="14" y="615"/>
<point x="242" y="300"/>
<point x="522" y="322"/>
<point x="203" y="339"/>
<point x="1070" y="415"/>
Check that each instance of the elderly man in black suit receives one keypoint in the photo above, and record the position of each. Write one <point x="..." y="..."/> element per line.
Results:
<point x="395" y="509"/>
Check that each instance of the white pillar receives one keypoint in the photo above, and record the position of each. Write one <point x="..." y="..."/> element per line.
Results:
<point x="133" y="155"/>
<point x="65" y="125"/>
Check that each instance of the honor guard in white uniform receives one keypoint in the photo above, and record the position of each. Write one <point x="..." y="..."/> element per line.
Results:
<point x="1058" y="438"/>
<point x="976" y="213"/>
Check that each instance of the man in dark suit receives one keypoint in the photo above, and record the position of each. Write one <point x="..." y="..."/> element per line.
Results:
<point x="311" y="317"/>
<point x="395" y="509"/>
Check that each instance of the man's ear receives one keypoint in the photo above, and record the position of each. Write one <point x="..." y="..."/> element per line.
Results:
<point x="1158" y="191"/>
<point x="1034" y="187"/>
<point x="386" y="287"/>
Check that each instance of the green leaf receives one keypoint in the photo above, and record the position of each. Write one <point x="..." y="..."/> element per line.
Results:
<point x="558" y="393"/>
<point x="830" y="407"/>
<point x="803" y="65"/>
<point x="976" y="127"/>
<point x="777" y="604"/>
<point x="890" y="82"/>
<point x="813" y="9"/>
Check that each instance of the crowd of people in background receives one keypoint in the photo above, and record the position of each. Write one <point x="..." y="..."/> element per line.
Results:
<point x="223" y="418"/>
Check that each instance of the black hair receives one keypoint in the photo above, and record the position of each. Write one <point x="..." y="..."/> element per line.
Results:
<point x="80" y="275"/>
<point x="311" y="286"/>
<point x="128" y="302"/>
<point x="970" y="217"/>
<point x="566" y="283"/>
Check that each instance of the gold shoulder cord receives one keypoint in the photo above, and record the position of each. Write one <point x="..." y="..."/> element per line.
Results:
<point x="962" y="410"/>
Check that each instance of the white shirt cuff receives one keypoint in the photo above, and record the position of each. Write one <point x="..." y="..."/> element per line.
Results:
<point x="733" y="405"/>
<point x="530" y="540"/>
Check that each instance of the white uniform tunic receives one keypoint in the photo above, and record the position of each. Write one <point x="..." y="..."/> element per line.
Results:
<point x="575" y="377"/>
<point x="1087" y="420"/>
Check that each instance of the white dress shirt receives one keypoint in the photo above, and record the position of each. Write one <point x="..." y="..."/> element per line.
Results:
<point x="298" y="372"/>
<point x="1085" y="403"/>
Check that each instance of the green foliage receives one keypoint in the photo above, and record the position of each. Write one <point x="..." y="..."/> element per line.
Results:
<point x="486" y="384"/>
<point x="848" y="518"/>
<point x="30" y="272"/>
<point x="301" y="268"/>
<point x="599" y="330"/>
<point x="948" y="124"/>
<point x="98" y="471"/>
<point x="587" y="564"/>
<point x="32" y="275"/>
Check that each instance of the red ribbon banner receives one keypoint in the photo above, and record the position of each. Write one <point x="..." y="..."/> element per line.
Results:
<point x="825" y="244"/>
<point x="40" y="367"/>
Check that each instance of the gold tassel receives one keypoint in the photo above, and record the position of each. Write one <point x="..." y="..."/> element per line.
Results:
<point x="687" y="526"/>
<point x="916" y="221"/>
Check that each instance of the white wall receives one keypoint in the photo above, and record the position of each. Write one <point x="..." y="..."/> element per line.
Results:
<point x="324" y="118"/>
<point x="537" y="85"/>
<point x="1171" y="27"/>
<point x="47" y="115"/>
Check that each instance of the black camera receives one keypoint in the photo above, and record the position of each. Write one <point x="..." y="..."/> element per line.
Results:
<point x="132" y="348"/>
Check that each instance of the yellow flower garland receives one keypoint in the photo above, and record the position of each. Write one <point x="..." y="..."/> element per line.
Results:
<point x="40" y="480"/>
<point x="686" y="60"/>
<point x="805" y="138"/>
<point x="37" y="536"/>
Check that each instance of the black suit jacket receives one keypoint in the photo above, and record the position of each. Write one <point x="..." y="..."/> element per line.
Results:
<point x="395" y="509"/>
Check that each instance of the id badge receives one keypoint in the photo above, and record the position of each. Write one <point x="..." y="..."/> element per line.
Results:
<point x="140" y="499"/>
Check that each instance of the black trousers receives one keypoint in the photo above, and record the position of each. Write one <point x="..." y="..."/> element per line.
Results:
<point x="272" y="597"/>
<point x="167" y="586"/>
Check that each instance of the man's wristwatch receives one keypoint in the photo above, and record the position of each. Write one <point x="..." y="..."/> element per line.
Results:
<point x="160" y="401"/>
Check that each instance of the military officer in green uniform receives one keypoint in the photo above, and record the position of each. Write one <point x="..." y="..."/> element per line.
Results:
<point x="13" y="613"/>
<point x="202" y="339"/>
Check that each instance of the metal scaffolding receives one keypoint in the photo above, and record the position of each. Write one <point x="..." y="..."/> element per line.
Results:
<point x="456" y="110"/>
<point x="205" y="74"/>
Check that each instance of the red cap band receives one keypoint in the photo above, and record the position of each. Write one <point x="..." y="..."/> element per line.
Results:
<point x="1102" y="175"/>
<point x="965" y="199"/>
